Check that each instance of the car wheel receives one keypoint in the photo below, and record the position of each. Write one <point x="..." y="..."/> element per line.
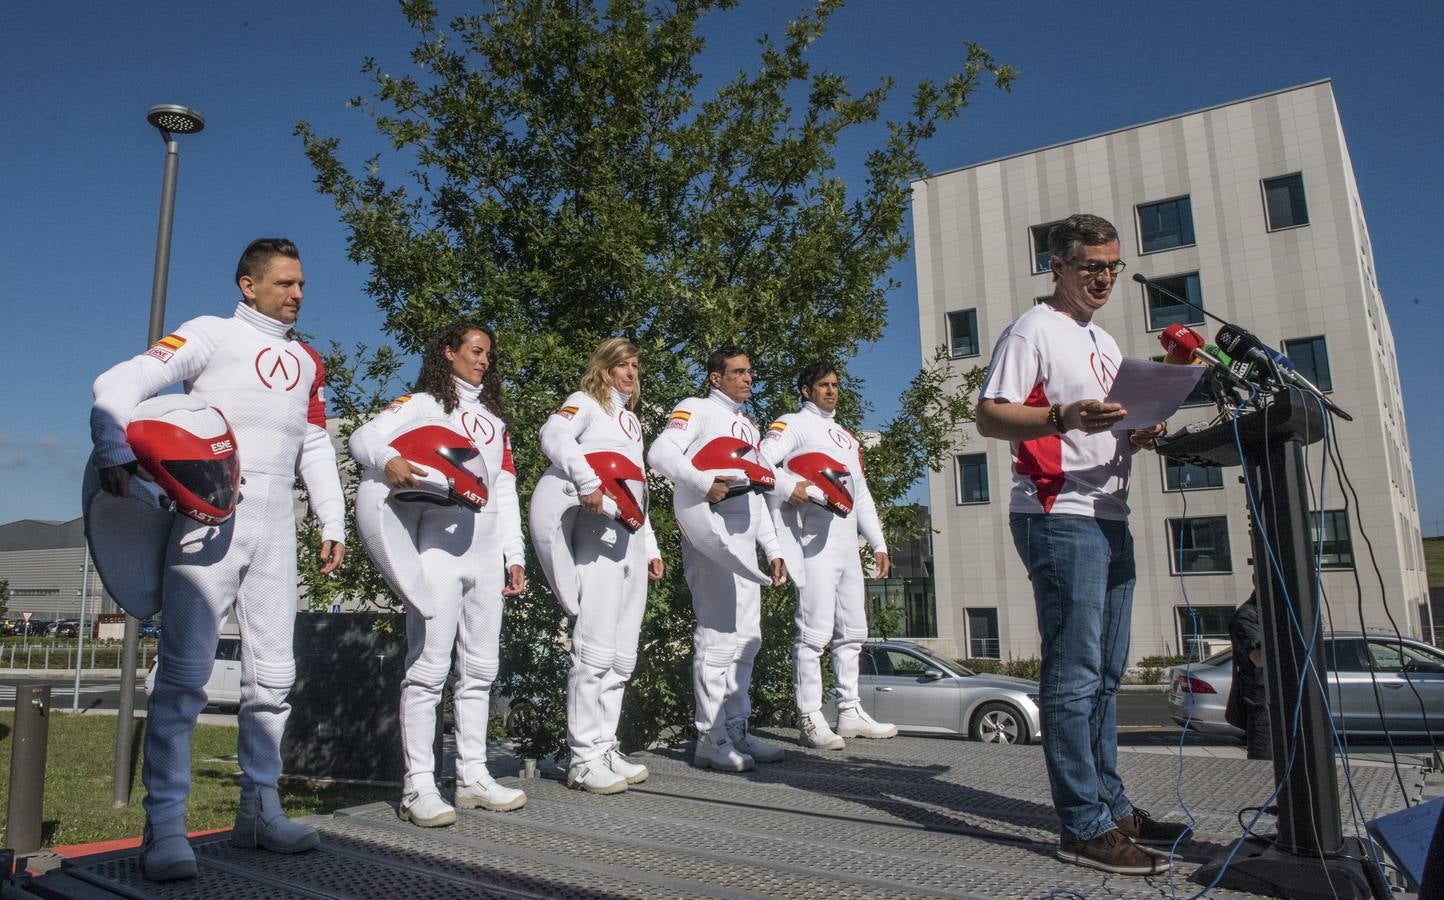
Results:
<point x="998" y="723"/>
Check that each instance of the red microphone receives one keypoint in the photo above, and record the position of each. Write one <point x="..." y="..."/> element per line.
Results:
<point x="1179" y="342"/>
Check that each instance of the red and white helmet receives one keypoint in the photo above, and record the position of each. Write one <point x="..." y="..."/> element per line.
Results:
<point x="455" y="471"/>
<point x="735" y="461"/>
<point x="188" y="449"/>
<point x="831" y="478"/>
<point x="624" y="484"/>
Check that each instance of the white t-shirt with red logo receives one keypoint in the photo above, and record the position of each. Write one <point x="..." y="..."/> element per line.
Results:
<point x="1048" y="357"/>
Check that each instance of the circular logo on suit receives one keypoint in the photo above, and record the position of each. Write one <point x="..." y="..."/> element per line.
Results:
<point x="840" y="438"/>
<point x="278" y="369"/>
<point x="744" y="432"/>
<point x="478" y="428"/>
<point x="628" y="420"/>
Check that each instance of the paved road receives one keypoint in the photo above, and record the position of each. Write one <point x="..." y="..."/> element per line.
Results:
<point x="1137" y="708"/>
<point x="95" y="693"/>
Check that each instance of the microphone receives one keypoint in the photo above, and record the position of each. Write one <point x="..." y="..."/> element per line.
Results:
<point x="1242" y="344"/>
<point x="1147" y="282"/>
<point x="1185" y="347"/>
<point x="1179" y="343"/>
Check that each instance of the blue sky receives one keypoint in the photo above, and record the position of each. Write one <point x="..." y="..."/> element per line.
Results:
<point x="80" y="169"/>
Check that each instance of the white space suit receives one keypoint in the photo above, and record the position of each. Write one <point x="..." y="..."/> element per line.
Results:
<point x="460" y="559"/>
<point x="269" y="387"/>
<point x="830" y="600"/>
<point x="728" y="606"/>
<point x="611" y="568"/>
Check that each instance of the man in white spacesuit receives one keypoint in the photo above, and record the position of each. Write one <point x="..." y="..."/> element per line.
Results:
<point x="830" y="593"/>
<point x="728" y="606"/>
<point x="269" y="387"/>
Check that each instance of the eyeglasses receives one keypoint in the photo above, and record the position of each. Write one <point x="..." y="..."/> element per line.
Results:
<point x="1094" y="268"/>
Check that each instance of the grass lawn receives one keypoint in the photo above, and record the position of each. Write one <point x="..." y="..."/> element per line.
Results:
<point x="78" y="780"/>
<point x="1434" y="559"/>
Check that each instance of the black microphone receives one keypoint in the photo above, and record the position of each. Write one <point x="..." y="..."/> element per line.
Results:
<point x="1241" y="344"/>
<point x="1146" y="281"/>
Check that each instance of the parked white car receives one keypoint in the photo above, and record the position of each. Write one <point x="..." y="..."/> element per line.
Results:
<point x="223" y="688"/>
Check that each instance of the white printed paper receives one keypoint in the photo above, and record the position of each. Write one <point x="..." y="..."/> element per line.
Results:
<point x="1150" y="391"/>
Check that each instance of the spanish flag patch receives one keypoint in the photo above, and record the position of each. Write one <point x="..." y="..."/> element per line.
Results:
<point x="396" y="404"/>
<point x="679" y="418"/>
<point x="166" y="347"/>
<point x="566" y="412"/>
<point x="775" y="429"/>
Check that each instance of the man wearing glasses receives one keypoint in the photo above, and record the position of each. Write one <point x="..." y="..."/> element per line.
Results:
<point x="1069" y="517"/>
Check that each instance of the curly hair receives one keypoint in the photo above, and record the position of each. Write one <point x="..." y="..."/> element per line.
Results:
<point x="597" y="379"/>
<point x="435" y="377"/>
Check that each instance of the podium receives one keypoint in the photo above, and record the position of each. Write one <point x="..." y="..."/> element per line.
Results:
<point x="1311" y="857"/>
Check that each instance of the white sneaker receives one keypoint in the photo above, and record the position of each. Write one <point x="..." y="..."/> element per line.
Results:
<point x="853" y="721"/>
<point x="427" y="810"/>
<point x="617" y="761"/>
<point x="813" y="731"/>
<point x="716" y="751"/>
<point x="485" y="793"/>
<point x="595" y="777"/>
<point x="745" y="742"/>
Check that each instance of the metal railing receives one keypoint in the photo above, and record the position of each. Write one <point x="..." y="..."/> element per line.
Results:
<point x="41" y="654"/>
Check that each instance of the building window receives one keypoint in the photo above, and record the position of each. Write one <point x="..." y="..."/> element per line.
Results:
<point x="1335" y="548"/>
<point x="972" y="478"/>
<point x="901" y="607"/>
<point x="963" y="333"/>
<point x="1311" y="357"/>
<point x="1041" y="257"/>
<point x="1164" y="311"/>
<point x="1165" y="225"/>
<point x="1199" y="545"/>
<point x="983" y="640"/>
<point x="1182" y="476"/>
<point x="1203" y="630"/>
<point x="1284" y="201"/>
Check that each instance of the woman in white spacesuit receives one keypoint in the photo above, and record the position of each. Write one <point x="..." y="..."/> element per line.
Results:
<point x="589" y="523"/>
<point x="452" y="564"/>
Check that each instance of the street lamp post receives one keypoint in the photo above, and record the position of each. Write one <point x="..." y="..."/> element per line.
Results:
<point x="80" y="627"/>
<point x="170" y="120"/>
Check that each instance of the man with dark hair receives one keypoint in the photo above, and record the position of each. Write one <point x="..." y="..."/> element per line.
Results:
<point x="1247" y="708"/>
<point x="269" y="387"/>
<point x="819" y="537"/>
<point x="1069" y="518"/>
<point x="728" y="606"/>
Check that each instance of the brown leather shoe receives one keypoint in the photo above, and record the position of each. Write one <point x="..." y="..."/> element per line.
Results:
<point x="1142" y="828"/>
<point x="1112" y="851"/>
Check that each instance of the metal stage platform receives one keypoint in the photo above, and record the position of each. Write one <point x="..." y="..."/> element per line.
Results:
<point x="909" y="817"/>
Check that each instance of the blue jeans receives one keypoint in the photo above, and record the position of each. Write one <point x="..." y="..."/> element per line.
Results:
<point x="1082" y="574"/>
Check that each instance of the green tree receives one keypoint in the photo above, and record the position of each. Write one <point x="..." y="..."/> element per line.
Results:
<point x="555" y="173"/>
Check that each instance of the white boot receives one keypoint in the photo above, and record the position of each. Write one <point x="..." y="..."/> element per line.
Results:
<point x="853" y="721"/>
<point x="635" y="773"/>
<point x="745" y="742"/>
<point x="165" y="853"/>
<point x="485" y="793"/>
<point x="716" y="751"/>
<point x="814" y="732"/>
<point x="596" y="777"/>
<point x="260" y="822"/>
<point x="427" y="810"/>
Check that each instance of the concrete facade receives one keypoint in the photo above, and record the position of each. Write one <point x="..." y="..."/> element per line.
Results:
<point x="47" y="566"/>
<point x="1287" y="282"/>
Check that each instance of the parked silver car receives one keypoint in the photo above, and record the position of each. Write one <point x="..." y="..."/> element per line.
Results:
<point x="1354" y="663"/>
<point x="223" y="688"/>
<point x="922" y="693"/>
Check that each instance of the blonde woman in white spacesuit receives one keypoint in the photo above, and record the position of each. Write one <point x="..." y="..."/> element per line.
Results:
<point x="589" y="524"/>
<point x="453" y="565"/>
